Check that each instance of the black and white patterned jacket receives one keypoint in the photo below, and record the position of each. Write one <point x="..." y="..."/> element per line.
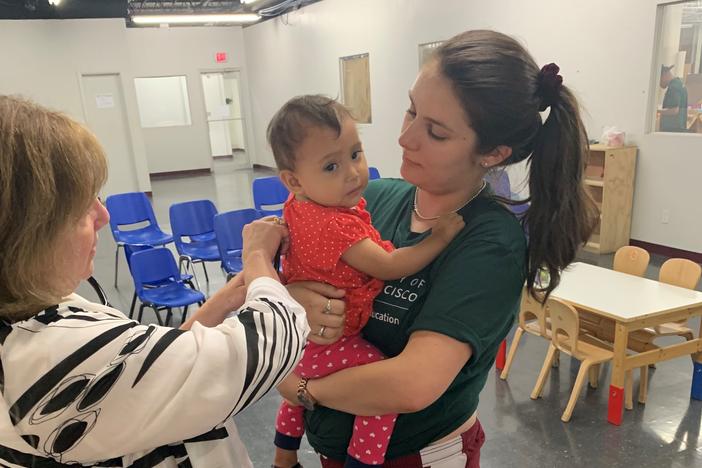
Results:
<point x="82" y="385"/>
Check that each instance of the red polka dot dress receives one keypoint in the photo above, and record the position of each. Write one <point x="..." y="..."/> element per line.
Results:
<point x="319" y="236"/>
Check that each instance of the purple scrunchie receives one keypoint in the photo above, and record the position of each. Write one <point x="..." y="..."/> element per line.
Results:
<point x="548" y="86"/>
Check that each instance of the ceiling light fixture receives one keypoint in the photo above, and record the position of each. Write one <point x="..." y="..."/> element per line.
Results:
<point x="54" y="2"/>
<point x="196" y="19"/>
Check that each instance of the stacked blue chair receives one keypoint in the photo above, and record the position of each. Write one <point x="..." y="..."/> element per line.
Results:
<point x="158" y="284"/>
<point x="228" y="227"/>
<point x="269" y="192"/>
<point x="129" y="209"/>
<point x="193" y="232"/>
<point x="373" y="173"/>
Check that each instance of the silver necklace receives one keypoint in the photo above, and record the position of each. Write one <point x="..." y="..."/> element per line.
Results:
<point x="432" y="218"/>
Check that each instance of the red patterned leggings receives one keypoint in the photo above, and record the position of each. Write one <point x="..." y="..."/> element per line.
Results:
<point x="371" y="434"/>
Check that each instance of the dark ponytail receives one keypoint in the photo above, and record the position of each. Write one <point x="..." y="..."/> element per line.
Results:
<point x="502" y="91"/>
<point x="562" y="214"/>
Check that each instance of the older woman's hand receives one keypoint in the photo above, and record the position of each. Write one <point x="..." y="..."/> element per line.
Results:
<point x="222" y="303"/>
<point x="325" y="309"/>
<point x="265" y="236"/>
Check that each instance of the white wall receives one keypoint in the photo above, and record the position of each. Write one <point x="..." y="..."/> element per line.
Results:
<point x="188" y="52"/>
<point x="43" y="60"/>
<point x="604" y="49"/>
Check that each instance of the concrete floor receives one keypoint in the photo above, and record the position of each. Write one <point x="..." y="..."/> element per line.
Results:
<point x="520" y="432"/>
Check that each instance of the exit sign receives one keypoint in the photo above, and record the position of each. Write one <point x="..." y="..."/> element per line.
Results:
<point x="221" y="57"/>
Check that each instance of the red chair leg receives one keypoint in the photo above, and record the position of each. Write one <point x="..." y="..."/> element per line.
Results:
<point x="501" y="356"/>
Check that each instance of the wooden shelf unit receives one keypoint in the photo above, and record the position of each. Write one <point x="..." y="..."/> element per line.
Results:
<point x="609" y="175"/>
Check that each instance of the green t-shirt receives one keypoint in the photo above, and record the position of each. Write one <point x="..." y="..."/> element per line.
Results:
<point x="675" y="96"/>
<point x="470" y="292"/>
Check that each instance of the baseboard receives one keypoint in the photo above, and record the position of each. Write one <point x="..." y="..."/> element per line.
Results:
<point x="179" y="174"/>
<point x="262" y="166"/>
<point x="224" y="156"/>
<point x="666" y="251"/>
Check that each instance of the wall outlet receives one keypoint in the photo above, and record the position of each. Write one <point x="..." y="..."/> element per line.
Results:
<point x="665" y="216"/>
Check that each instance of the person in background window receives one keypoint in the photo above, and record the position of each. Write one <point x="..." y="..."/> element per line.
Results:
<point x="674" y="112"/>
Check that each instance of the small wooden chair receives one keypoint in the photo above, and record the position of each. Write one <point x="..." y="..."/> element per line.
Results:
<point x="631" y="260"/>
<point x="565" y="337"/>
<point x="685" y="274"/>
<point x="680" y="272"/>
<point x="533" y="320"/>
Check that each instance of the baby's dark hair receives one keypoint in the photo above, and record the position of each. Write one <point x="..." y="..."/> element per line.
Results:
<point x="288" y="127"/>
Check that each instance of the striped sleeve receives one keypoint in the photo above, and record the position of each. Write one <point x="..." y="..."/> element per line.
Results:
<point x="109" y="386"/>
<point x="275" y="333"/>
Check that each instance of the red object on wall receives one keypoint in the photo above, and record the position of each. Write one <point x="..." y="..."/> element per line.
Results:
<point x="221" y="57"/>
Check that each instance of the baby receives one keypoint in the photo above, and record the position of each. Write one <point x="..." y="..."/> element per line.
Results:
<point x="321" y="162"/>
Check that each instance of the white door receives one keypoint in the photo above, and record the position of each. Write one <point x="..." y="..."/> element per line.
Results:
<point x="106" y="117"/>
<point x="224" y="116"/>
<point x="233" y="99"/>
<point x="218" y="113"/>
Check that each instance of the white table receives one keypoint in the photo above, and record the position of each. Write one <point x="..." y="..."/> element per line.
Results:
<point x="633" y="303"/>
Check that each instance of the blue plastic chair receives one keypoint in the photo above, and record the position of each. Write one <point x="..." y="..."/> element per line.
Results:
<point x="373" y="173"/>
<point x="132" y="208"/>
<point x="194" y="220"/>
<point x="269" y="192"/>
<point x="158" y="285"/>
<point x="129" y="250"/>
<point x="228" y="227"/>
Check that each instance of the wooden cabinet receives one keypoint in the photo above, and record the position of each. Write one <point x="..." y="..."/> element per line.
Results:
<point x="609" y="175"/>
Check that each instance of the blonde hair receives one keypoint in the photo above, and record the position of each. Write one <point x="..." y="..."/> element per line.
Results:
<point x="51" y="169"/>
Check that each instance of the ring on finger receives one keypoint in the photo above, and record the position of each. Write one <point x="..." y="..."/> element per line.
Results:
<point x="321" y="331"/>
<point x="327" y="307"/>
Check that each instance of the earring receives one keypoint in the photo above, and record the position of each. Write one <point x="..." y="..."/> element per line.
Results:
<point x="484" y="164"/>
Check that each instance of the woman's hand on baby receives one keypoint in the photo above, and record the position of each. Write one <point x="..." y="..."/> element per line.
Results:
<point x="326" y="310"/>
<point x="265" y="236"/>
<point x="448" y="226"/>
<point x="285" y="243"/>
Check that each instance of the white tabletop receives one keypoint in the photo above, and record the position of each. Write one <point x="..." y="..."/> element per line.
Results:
<point x="621" y="296"/>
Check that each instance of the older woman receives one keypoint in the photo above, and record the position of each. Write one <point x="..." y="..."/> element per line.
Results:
<point x="80" y="382"/>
